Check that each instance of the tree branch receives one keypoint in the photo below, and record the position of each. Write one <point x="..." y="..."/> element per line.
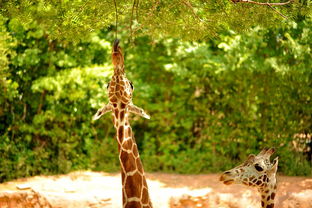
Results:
<point x="277" y="11"/>
<point x="262" y="3"/>
<point x="266" y="4"/>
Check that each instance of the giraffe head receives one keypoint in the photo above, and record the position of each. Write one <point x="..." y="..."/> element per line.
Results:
<point x="120" y="91"/>
<point x="256" y="171"/>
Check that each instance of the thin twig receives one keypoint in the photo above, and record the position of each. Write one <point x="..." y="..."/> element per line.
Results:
<point x="277" y="11"/>
<point x="189" y="5"/>
<point x="131" y="19"/>
<point x="262" y="3"/>
<point x="265" y="3"/>
<point x="137" y="11"/>
<point x="116" y="19"/>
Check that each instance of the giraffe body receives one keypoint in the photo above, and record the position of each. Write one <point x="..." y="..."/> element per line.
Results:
<point x="134" y="187"/>
<point x="257" y="171"/>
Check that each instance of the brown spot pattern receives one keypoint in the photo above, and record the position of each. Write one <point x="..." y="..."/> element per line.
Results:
<point x="124" y="196"/>
<point x="139" y="165"/>
<point x="113" y="99"/>
<point x="123" y="176"/>
<point x="116" y="113"/>
<point x="117" y="88"/>
<point x="135" y="150"/>
<point x="134" y="181"/>
<point x="121" y="133"/>
<point x="118" y="95"/>
<point x="122" y="115"/>
<point x="125" y="100"/>
<point x="145" y="197"/>
<point x="129" y="132"/>
<point x="272" y="195"/>
<point x="270" y="206"/>
<point x="122" y="105"/>
<point x="127" y="144"/>
<point x="128" y="161"/>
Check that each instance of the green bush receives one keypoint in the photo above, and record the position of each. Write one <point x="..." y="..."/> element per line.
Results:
<point x="211" y="103"/>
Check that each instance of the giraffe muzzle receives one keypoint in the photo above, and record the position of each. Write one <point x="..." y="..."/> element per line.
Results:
<point x="115" y="45"/>
<point x="226" y="178"/>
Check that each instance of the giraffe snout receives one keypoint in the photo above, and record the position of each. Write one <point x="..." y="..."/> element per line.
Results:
<point x="227" y="178"/>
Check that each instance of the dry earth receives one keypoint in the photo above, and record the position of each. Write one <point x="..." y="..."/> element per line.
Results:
<point x="85" y="189"/>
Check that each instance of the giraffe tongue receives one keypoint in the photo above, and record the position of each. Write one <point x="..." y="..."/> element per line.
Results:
<point x="228" y="182"/>
<point x="116" y="43"/>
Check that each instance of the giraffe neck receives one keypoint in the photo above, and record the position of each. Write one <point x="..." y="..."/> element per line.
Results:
<point x="119" y="70"/>
<point x="134" y="186"/>
<point x="268" y="196"/>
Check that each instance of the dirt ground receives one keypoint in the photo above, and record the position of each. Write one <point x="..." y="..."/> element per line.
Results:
<point x="84" y="189"/>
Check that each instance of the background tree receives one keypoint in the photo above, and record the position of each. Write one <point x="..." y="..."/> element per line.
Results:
<point x="243" y="85"/>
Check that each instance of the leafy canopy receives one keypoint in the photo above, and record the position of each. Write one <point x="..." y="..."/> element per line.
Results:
<point x="187" y="19"/>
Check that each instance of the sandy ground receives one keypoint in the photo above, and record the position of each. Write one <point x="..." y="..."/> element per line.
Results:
<point x="85" y="189"/>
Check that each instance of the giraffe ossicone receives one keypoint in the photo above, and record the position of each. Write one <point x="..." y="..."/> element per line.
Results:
<point x="134" y="187"/>
<point x="257" y="171"/>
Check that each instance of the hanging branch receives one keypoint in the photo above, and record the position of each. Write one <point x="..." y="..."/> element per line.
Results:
<point x="131" y="20"/>
<point x="189" y="5"/>
<point x="261" y="3"/>
<point x="116" y="18"/>
<point x="266" y="4"/>
<point x="137" y="10"/>
<point x="277" y="11"/>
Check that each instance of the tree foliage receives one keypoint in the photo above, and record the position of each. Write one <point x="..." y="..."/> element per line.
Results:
<point x="211" y="102"/>
<point x="186" y="19"/>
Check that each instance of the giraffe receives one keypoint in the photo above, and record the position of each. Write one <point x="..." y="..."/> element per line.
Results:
<point x="257" y="171"/>
<point x="134" y="187"/>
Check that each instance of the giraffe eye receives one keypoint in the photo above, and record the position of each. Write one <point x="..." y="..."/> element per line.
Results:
<point x="258" y="167"/>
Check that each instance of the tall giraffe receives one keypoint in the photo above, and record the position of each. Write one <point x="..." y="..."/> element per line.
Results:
<point x="257" y="171"/>
<point x="134" y="186"/>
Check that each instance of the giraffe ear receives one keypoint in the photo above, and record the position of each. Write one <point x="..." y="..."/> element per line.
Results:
<point x="106" y="108"/>
<point x="266" y="152"/>
<point x="139" y="111"/>
<point x="263" y="151"/>
<point x="273" y="170"/>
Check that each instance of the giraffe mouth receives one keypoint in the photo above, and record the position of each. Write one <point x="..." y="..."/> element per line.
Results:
<point x="228" y="182"/>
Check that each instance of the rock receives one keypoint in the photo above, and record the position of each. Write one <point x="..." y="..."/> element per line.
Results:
<point x="23" y="199"/>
